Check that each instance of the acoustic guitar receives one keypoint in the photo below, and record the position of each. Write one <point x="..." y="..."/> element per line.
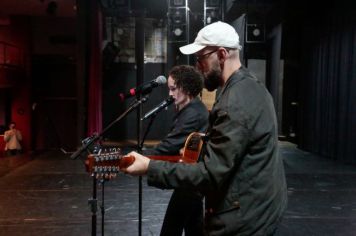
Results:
<point x="106" y="165"/>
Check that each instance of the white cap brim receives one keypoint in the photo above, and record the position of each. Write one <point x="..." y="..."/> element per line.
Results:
<point x="191" y="48"/>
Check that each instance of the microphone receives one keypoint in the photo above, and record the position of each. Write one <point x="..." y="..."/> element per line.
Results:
<point x="144" y="89"/>
<point x="158" y="108"/>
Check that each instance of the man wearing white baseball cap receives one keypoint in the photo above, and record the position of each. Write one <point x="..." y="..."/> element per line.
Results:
<point x="217" y="34"/>
<point x="240" y="173"/>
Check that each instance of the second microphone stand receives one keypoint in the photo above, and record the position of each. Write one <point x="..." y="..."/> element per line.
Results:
<point x="86" y="143"/>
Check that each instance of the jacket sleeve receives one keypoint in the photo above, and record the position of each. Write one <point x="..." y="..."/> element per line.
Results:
<point x="224" y="150"/>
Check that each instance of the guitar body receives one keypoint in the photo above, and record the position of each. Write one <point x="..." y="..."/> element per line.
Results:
<point x="107" y="165"/>
<point x="192" y="147"/>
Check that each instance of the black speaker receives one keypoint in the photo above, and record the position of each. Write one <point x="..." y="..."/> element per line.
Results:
<point x="177" y="33"/>
<point x="177" y="16"/>
<point x="177" y="25"/>
<point x="212" y="15"/>
<point x="255" y="33"/>
<point x="177" y="3"/>
<point x="212" y="3"/>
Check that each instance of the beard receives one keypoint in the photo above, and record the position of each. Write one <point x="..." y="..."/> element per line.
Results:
<point x="212" y="80"/>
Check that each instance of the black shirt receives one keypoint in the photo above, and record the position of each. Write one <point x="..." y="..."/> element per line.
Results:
<point x="192" y="118"/>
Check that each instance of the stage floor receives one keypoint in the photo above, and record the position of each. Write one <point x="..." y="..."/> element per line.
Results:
<point x="47" y="194"/>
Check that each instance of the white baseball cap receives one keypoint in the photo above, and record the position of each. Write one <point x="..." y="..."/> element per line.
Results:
<point x="218" y="34"/>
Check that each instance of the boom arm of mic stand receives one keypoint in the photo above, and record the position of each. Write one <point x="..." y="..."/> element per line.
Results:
<point x="147" y="130"/>
<point x="88" y="141"/>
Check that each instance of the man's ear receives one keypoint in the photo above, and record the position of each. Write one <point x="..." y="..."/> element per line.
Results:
<point x="222" y="55"/>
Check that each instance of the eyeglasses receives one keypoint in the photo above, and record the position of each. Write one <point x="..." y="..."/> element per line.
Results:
<point x="206" y="55"/>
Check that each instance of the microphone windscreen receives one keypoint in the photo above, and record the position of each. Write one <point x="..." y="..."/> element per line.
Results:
<point x="161" y="80"/>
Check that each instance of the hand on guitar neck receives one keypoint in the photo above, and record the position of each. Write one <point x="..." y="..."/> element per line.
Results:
<point x="139" y="165"/>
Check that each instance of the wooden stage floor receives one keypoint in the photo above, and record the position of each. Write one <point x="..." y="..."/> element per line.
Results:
<point x="47" y="194"/>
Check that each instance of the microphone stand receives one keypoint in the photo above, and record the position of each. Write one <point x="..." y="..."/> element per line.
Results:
<point x="140" y="145"/>
<point x="93" y="202"/>
<point x="148" y="129"/>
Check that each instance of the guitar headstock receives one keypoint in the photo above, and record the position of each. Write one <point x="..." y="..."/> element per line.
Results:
<point x="107" y="165"/>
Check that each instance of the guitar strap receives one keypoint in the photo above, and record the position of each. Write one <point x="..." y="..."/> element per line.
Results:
<point x="205" y="139"/>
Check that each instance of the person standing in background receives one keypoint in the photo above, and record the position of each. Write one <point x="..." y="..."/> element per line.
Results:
<point x="12" y="138"/>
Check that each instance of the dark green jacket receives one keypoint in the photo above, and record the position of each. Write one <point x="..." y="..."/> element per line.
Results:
<point x="241" y="174"/>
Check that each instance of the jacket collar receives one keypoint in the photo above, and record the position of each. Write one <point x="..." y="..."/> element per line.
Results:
<point x="236" y="76"/>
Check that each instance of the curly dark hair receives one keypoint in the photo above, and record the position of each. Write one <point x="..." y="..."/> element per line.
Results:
<point x="187" y="78"/>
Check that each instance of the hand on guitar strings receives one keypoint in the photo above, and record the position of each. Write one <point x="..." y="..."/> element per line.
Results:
<point x="139" y="165"/>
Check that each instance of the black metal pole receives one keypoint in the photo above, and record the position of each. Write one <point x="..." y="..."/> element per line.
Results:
<point x="140" y="50"/>
<point x="93" y="206"/>
<point x="102" y="207"/>
<point x="87" y="142"/>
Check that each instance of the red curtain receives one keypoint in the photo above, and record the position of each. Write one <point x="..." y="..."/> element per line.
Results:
<point x="95" y="70"/>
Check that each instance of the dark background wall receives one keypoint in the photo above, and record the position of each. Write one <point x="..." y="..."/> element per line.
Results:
<point x="54" y="86"/>
<point x="120" y="78"/>
<point x="315" y="91"/>
<point x="328" y="79"/>
<point x="14" y="77"/>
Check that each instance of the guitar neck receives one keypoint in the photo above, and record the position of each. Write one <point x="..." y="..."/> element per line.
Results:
<point x="166" y="158"/>
<point x="107" y="165"/>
